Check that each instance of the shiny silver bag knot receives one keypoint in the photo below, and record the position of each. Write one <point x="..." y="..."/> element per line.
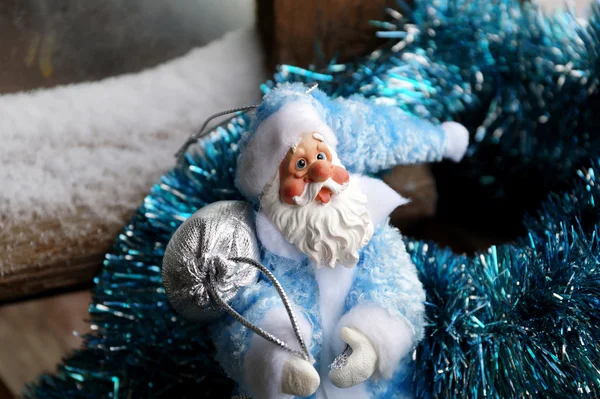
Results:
<point x="198" y="259"/>
<point x="211" y="256"/>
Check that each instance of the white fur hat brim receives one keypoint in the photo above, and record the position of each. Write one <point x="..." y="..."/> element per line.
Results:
<point x="260" y="160"/>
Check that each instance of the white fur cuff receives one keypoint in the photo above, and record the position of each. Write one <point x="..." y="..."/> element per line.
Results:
<point x="264" y="361"/>
<point x="393" y="337"/>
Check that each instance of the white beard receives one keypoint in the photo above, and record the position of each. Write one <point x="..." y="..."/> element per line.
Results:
<point x="329" y="233"/>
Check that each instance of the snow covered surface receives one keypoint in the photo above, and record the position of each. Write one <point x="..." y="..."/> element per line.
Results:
<point x="96" y="148"/>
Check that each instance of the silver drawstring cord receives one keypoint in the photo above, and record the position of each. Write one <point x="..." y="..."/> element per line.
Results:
<point x="303" y="353"/>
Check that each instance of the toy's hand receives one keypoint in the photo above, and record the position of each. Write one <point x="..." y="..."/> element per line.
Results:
<point x="457" y="140"/>
<point x="357" y="366"/>
<point x="299" y="378"/>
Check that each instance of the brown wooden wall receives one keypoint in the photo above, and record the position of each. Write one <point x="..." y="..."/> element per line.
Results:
<point x="315" y="31"/>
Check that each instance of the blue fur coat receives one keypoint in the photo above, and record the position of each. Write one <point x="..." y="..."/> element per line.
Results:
<point x="381" y="297"/>
<point x="385" y="279"/>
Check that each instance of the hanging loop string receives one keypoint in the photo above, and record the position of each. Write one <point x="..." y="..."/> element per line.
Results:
<point x="194" y="137"/>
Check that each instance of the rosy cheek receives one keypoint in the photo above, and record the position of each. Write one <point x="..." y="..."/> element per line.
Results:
<point x="290" y="188"/>
<point x="340" y="175"/>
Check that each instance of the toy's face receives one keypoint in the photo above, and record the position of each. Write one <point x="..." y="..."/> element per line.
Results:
<point x="315" y="205"/>
<point x="310" y="161"/>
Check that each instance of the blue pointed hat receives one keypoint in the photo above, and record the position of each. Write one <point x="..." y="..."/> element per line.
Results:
<point x="285" y="114"/>
<point x="368" y="136"/>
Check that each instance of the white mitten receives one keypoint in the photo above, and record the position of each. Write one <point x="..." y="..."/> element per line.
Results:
<point x="271" y="372"/>
<point x="360" y="364"/>
<point x="299" y="378"/>
<point x="457" y="140"/>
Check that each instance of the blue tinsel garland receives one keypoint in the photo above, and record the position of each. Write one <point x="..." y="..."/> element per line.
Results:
<point x="520" y="320"/>
<point x="517" y="321"/>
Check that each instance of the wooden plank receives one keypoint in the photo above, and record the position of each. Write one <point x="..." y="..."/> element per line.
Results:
<point x="36" y="334"/>
<point x="51" y="254"/>
<point x="416" y="183"/>
<point x="315" y="31"/>
<point x="33" y="282"/>
<point x="5" y="392"/>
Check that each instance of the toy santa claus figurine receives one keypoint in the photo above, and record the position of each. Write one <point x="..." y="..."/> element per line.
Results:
<point x="322" y="230"/>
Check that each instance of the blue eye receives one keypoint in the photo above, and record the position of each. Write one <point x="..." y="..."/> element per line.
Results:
<point x="321" y="156"/>
<point x="301" y="164"/>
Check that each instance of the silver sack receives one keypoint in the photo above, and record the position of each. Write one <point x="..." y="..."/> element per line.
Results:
<point x="203" y="244"/>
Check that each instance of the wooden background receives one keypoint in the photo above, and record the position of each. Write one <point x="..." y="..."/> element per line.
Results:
<point x="313" y="32"/>
<point x="36" y="334"/>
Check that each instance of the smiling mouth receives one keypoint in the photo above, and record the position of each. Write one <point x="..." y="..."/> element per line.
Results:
<point x="324" y="195"/>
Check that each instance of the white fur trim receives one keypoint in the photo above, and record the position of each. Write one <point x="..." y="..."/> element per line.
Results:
<point x="392" y="337"/>
<point x="274" y="241"/>
<point x="272" y="140"/>
<point x="382" y="199"/>
<point x="264" y="360"/>
<point x="334" y="285"/>
<point x="457" y="140"/>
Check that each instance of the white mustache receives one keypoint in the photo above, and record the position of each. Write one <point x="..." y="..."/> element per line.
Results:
<point x="312" y="189"/>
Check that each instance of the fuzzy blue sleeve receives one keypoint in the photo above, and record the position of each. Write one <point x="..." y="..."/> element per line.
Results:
<point x="386" y="276"/>
<point x="375" y="137"/>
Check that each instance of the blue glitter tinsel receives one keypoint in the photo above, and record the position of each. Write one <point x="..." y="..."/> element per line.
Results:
<point x="517" y="321"/>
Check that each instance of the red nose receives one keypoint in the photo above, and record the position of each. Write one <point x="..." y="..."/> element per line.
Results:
<point x="319" y="171"/>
